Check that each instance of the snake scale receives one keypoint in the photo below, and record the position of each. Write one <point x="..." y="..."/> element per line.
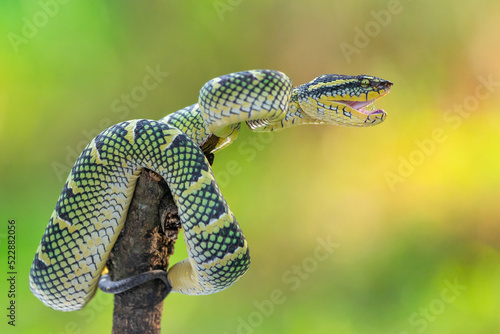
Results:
<point x="93" y="204"/>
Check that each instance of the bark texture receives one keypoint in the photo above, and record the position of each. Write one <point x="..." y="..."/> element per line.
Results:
<point x="145" y="243"/>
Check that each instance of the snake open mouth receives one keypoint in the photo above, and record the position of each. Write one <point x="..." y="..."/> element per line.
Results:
<point x="364" y="107"/>
<point x="367" y="107"/>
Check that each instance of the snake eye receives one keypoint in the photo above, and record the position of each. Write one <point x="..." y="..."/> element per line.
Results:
<point x="365" y="83"/>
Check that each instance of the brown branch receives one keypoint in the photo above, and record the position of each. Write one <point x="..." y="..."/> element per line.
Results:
<point x="145" y="243"/>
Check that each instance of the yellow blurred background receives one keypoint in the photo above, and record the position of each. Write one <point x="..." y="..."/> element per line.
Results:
<point x="390" y="229"/>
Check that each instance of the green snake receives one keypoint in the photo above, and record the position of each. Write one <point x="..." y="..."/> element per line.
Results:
<point x="93" y="205"/>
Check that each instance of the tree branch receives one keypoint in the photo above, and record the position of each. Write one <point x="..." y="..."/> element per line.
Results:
<point x="145" y="243"/>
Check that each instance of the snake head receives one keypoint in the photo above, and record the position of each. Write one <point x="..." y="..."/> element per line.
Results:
<point x="343" y="100"/>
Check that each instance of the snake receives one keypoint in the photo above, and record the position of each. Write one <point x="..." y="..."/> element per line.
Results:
<point x="92" y="207"/>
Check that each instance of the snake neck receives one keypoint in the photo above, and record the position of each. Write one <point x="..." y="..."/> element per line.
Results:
<point x="190" y="121"/>
<point x="294" y="116"/>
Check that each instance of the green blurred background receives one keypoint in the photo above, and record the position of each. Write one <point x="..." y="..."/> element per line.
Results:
<point x="410" y="206"/>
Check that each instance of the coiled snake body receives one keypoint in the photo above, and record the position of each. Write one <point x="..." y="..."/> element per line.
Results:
<point x="92" y="207"/>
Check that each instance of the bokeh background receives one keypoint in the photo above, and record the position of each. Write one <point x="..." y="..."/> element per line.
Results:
<point x="408" y="210"/>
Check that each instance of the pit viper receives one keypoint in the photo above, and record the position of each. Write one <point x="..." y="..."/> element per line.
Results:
<point x="92" y="207"/>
